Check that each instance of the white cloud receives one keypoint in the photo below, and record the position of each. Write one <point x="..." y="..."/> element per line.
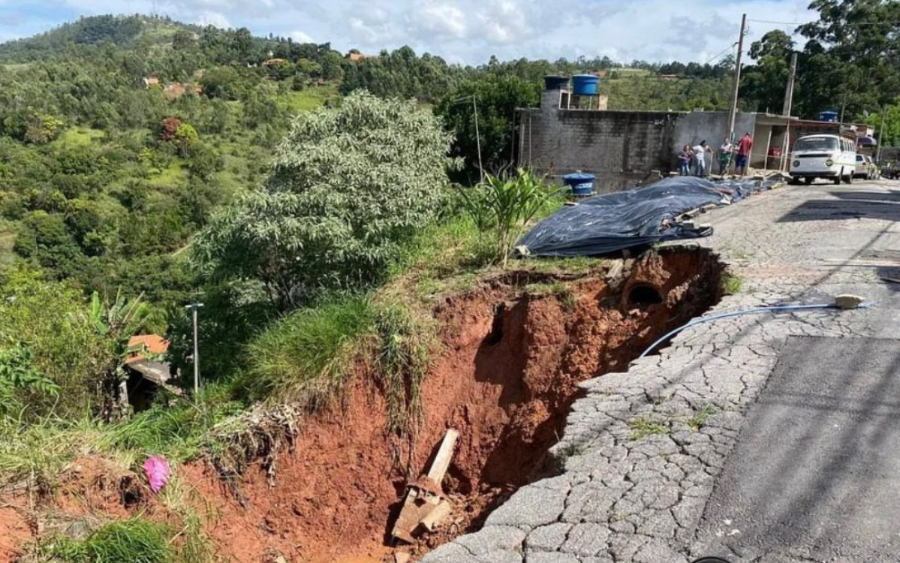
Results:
<point x="215" y="19"/>
<point x="300" y="36"/>
<point x="443" y="19"/>
<point x="468" y="31"/>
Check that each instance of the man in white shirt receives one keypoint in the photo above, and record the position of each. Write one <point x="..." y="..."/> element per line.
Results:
<point x="700" y="159"/>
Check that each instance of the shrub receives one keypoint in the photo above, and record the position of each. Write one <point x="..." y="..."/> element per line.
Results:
<point x="47" y="334"/>
<point x="505" y="204"/>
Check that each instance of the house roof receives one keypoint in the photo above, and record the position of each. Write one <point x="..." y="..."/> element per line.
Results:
<point x="153" y="343"/>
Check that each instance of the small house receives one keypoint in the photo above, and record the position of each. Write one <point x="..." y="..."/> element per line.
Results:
<point x="148" y="371"/>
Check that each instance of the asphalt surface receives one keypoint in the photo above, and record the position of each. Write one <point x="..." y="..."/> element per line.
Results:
<point x="777" y="435"/>
<point x="816" y="467"/>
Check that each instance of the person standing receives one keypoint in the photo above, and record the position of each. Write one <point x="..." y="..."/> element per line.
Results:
<point x="745" y="145"/>
<point x="700" y="159"/>
<point x="684" y="161"/>
<point x="726" y="149"/>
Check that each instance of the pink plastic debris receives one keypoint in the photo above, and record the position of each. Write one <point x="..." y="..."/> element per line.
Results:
<point x="156" y="468"/>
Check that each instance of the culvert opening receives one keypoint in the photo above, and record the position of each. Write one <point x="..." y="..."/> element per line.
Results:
<point x="644" y="295"/>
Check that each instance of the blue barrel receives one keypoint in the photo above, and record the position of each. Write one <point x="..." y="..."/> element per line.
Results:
<point x="829" y="115"/>
<point x="585" y="85"/>
<point x="581" y="184"/>
<point x="554" y="82"/>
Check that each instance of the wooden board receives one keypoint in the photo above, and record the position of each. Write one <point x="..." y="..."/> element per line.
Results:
<point x="442" y="459"/>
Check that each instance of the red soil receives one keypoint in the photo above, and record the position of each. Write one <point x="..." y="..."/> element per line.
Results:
<point x="508" y="372"/>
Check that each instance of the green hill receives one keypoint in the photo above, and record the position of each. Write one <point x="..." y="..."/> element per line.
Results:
<point x="119" y="136"/>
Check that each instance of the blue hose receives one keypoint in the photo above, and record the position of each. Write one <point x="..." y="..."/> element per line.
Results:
<point x="771" y="309"/>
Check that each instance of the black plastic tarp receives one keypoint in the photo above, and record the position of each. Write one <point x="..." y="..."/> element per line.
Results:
<point x="616" y="221"/>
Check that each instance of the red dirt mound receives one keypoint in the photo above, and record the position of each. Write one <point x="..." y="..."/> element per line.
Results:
<point x="513" y="354"/>
<point x="509" y="370"/>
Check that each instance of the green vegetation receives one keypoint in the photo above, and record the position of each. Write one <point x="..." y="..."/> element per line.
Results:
<point x="701" y="417"/>
<point x="731" y="284"/>
<point x="643" y="427"/>
<point x="403" y="349"/>
<point x="135" y="539"/>
<point x="349" y="187"/>
<point x="308" y="355"/>
<point x="503" y="205"/>
<point x="847" y="63"/>
<point x="496" y="97"/>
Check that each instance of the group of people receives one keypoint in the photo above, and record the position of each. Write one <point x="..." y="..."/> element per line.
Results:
<point x="692" y="160"/>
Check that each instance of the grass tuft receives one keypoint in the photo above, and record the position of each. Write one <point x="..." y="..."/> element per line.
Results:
<point x="308" y="355"/>
<point x="731" y="284"/>
<point x="135" y="540"/>
<point x="701" y="417"/>
<point x="402" y="357"/>
<point x="644" y="426"/>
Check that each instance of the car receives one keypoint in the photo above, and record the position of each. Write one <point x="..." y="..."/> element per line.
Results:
<point x="863" y="168"/>
<point x="890" y="170"/>
<point x="823" y="156"/>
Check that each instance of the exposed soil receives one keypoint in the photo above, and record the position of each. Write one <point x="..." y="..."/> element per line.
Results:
<point x="508" y="372"/>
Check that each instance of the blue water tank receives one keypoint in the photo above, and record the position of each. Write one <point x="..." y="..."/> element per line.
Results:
<point x="554" y="82"/>
<point x="829" y="115"/>
<point x="581" y="184"/>
<point x="585" y="85"/>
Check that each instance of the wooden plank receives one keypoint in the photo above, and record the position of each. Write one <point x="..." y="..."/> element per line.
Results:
<point x="442" y="460"/>
<point x="434" y="518"/>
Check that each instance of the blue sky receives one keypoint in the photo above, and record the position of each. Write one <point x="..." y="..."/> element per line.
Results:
<point x="465" y="31"/>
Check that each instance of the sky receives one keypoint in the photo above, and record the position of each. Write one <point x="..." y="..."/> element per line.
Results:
<point x="460" y="31"/>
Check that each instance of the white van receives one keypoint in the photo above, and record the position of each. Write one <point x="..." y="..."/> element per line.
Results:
<point x="823" y="156"/>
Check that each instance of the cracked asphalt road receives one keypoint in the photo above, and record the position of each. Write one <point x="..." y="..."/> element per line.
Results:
<point x="715" y="454"/>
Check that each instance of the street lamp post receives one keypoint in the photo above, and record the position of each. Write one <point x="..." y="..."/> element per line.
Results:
<point x="196" y="359"/>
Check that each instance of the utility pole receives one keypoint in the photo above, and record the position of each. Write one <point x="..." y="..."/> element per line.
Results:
<point x="478" y="138"/>
<point x="477" y="133"/>
<point x="789" y="93"/>
<point x="786" y="110"/>
<point x="882" y="121"/>
<point x="196" y="359"/>
<point x="737" y="79"/>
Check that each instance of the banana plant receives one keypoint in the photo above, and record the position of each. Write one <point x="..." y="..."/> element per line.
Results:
<point x="505" y="204"/>
<point x="119" y="321"/>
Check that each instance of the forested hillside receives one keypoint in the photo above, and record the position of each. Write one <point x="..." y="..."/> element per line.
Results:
<point x="120" y="135"/>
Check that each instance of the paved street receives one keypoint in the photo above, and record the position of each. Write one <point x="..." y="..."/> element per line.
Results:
<point x="771" y="437"/>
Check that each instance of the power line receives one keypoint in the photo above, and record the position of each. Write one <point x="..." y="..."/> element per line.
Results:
<point x="725" y="50"/>
<point x="814" y="21"/>
<point x="778" y="23"/>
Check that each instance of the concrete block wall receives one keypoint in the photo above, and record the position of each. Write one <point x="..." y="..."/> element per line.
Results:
<point x="619" y="147"/>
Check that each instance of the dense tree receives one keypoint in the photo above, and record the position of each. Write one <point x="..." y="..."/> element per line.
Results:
<point x="46" y="331"/>
<point x="349" y="186"/>
<point x="763" y="84"/>
<point x="851" y="56"/>
<point x="185" y="137"/>
<point x="496" y="99"/>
